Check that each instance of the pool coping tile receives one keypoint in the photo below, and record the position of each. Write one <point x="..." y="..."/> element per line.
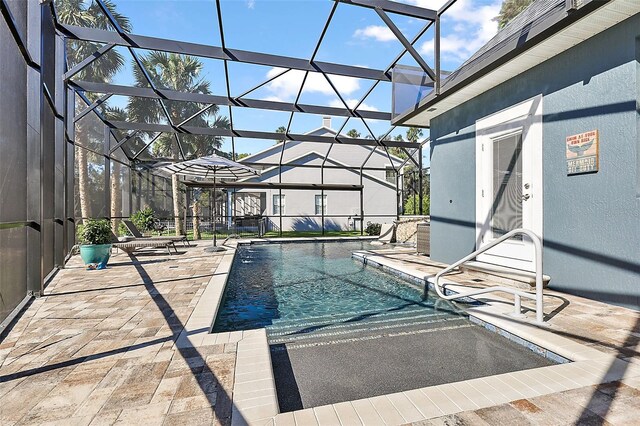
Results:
<point x="326" y="415"/>
<point x="366" y="412"/>
<point x="385" y="409"/>
<point x="347" y="414"/>
<point x="405" y="407"/>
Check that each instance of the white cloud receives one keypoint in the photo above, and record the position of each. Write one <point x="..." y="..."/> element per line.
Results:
<point x="472" y="24"/>
<point x="376" y="32"/>
<point x="273" y="99"/>
<point x="427" y="4"/>
<point x="251" y="4"/>
<point x="352" y="103"/>
<point x="286" y="87"/>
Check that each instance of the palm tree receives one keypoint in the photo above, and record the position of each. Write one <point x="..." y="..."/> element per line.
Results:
<point x="412" y="181"/>
<point x="396" y="151"/>
<point x="353" y="133"/>
<point x="180" y="73"/>
<point x="84" y="14"/>
<point x="196" y="206"/>
<point x="413" y="134"/>
<point x="510" y="9"/>
<point x="116" y="114"/>
<point x="282" y="130"/>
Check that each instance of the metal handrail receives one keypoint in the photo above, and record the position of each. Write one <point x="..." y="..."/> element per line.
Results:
<point x="517" y="293"/>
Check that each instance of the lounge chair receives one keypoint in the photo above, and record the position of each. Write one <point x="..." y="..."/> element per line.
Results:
<point x="134" y="244"/>
<point x="386" y="234"/>
<point x="138" y="235"/>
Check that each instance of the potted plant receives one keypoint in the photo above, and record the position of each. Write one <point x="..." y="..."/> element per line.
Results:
<point x="95" y="243"/>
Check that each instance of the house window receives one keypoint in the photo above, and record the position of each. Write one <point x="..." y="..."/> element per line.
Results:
<point x="390" y="175"/>
<point x="321" y="204"/>
<point x="278" y="204"/>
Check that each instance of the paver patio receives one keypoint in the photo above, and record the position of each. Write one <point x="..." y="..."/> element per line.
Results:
<point x="98" y="347"/>
<point x="109" y="347"/>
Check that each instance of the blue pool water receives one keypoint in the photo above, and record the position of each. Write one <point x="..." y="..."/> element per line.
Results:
<point x="318" y="284"/>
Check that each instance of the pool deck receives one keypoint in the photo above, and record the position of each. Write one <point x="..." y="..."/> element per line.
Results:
<point x="130" y="345"/>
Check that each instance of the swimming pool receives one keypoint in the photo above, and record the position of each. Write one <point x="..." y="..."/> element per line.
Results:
<point x="340" y="331"/>
<point x="301" y="291"/>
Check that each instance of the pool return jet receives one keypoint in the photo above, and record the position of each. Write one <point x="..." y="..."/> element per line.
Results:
<point x="208" y="168"/>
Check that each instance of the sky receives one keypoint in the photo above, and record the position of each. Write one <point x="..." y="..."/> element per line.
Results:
<point x="356" y="36"/>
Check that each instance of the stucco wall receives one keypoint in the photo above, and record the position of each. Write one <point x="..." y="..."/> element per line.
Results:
<point x="591" y="222"/>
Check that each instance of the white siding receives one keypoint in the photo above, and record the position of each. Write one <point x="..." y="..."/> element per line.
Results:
<point x="379" y="198"/>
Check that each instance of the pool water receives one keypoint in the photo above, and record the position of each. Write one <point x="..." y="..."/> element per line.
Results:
<point x="314" y="283"/>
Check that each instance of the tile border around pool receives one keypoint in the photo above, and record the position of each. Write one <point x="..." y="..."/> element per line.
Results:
<point x="254" y="395"/>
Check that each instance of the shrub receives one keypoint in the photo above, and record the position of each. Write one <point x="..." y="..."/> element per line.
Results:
<point x="122" y="230"/>
<point x="94" y="231"/>
<point x="144" y="219"/>
<point x="373" y="228"/>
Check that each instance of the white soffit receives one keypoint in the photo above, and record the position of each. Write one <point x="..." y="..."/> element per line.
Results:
<point x="598" y="21"/>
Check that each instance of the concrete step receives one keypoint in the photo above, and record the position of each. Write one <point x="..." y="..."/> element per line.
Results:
<point x="496" y="274"/>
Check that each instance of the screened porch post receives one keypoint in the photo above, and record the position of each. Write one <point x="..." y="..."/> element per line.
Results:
<point x="420" y="179"/>
<point x="280" y="209"/>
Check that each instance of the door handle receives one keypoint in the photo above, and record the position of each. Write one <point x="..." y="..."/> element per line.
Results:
<point x="525" y="197"/>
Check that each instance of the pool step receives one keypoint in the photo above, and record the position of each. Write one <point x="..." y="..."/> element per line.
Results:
<point x="362" y="333"/>
<point x="443" y="327"/>
<point x="284" y="328"/>
<point x="355" y="316"/>
<point x="497" y="274"/>
<point x="317" y="333"/>
<point x="369" y="323"/>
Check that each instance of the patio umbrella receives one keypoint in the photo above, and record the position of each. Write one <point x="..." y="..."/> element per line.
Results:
<point x="212" y="167"/>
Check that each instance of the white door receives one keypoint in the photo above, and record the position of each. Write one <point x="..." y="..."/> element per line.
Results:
<point x="509" y="182"/>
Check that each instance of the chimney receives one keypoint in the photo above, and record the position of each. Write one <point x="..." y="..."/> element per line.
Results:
<point x="326" y="122"/>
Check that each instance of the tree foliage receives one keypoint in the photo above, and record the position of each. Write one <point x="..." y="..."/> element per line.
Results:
<point x="373" y="228"/>
<point x="180" y="73"/>
<point x="144" y="219"/>
<point x="414" y="134"/>
<point x="282" y="130"/>
<point x="510" y="9"/>
<point x="353" y="133"/>
<point x="412" y="205"/>
<point x="84" y="13"/>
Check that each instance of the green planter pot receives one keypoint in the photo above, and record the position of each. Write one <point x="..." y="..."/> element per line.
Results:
<point x="95" y="256"/>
